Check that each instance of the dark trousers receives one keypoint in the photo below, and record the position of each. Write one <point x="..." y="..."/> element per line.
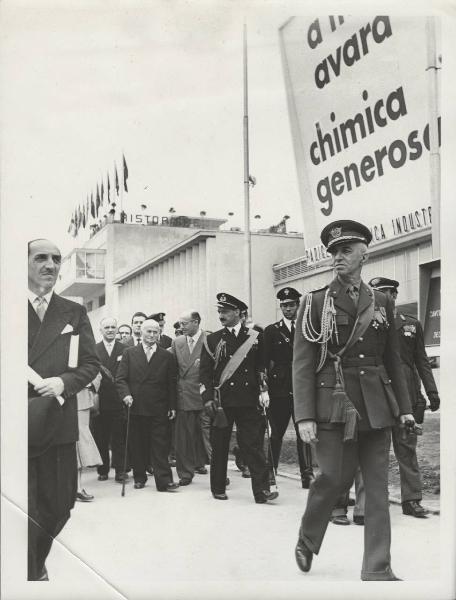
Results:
<point x="405" y="451"/>
<point x="190" y="452"/>
<point x="250" y="432"/>
<point x="280" y="411"/>
<point x="148" y="442"/>
<point x="52" y="487"/>
<point x="338" y="462"/>
<point x="109" y="429"/>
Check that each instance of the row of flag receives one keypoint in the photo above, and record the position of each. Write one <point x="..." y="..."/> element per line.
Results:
<point x="91" y="207"/>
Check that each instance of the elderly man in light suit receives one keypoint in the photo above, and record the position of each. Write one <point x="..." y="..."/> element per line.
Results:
<point x="190" y="452"/>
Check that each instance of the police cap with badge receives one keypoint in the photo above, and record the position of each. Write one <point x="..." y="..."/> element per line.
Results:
<point x="287" y="295"/>
<point x="344" y="231"/>
<point x="157" y="316"/>
<point x="225" y="300"/>
<point x="383" y="283"/>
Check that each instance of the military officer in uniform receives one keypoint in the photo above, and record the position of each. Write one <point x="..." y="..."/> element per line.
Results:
<point x="165" y="341"/>
<point x="278" y="351"/>
<point x="413" y="356"/>
<point x="231" y="373"/>
<point x="348" y="392"/>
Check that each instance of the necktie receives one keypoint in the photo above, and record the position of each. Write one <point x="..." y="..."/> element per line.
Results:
<point x="149" y="352"/>
<point x="109" y="349"/>
<point x="233" y="332"/>
<point x="292" y="330"/>
<point x="40" y="307"/>
<point x="191" y="341"/>
<point x="353" y="292"/>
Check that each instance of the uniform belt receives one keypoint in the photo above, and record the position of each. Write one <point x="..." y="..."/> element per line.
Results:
<point x="362" y="361"/>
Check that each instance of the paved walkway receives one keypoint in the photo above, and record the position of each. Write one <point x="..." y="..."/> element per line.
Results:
<point x="162" y="545"/>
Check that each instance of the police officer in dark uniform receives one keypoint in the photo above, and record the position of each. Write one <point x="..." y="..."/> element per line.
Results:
<point x="278" y="351"/>
<point x="414" y="358"/>
<point x="165" y="341"/>
<point x="231" y="373"/>
<point x="348" y="392"/>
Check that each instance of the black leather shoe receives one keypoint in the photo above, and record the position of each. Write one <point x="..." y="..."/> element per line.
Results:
<point x="139" y="485"/>
<point x="358" y="519"/>
<point x="220" y="496"/>
<point x="121" y="477"/>
<point x="414" y="509"/>
<point x="227" y="481"/>
<point x="306" y="482"/>
<point x="303" y="556"/>
<point x="170" y="487"/>
<point x="83" y="496"/>
<point x="265" y="496"/>
<point x="102" y="477"/>
<point x="351" y="502"/>
<point x="201" y="471"/>
<point x="43" y="575"/>
<point x="246" y="473"/>
<point x="150" y="469"/>
<point x="340" y="520"/>
<point x="185" y="481"/>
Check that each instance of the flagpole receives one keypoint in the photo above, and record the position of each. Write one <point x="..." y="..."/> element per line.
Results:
<point x="434" y="150"/>
<point x="247" y="235"/>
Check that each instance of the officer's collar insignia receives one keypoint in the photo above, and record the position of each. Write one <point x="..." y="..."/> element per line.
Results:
<point x="335" y="232"/>
<point x="223" y="298"/>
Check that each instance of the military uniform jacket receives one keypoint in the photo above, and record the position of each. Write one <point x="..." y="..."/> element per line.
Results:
<point x="165" y="341"/>
<point x="278" y="356"/>
<point x="188" y="367"/>
<point x="109" y="396"/>
<point x="413" y="354"/>
<point x="152" y="384"/>
<point x="242" y="389"/>
<point x="48" y="354"/>
<point x="372" y="368"/>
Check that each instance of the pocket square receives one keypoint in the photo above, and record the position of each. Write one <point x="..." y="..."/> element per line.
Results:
<point x="67" y="329"/>
<point x="119" y="357"/>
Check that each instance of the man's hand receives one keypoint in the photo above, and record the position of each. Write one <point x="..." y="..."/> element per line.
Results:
<point x="128" y="400"/>
<point x="434" y="401"/>
<point x="209" y="407"/>
<point x="264" y="399"/>
<point x="403" y="419"/>
<point x="263" y="382"/>
<point x="51" y="386"/>
<point x="171" y="414"/>
<point x="308" y="431"/>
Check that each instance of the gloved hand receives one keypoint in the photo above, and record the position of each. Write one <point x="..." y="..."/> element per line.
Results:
<point x="434" y="401"/>
<point x="209" y="407"/>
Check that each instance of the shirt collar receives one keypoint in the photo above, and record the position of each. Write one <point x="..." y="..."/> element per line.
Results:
<point x="288" y="322"/>
<point x="236" y="328"/>
<point x="32" y="297"/>
<point x="195" y="337"/>
<point x="109" y="344"/>
<point x="347" y="286"/>
<point x="146" y="347"/>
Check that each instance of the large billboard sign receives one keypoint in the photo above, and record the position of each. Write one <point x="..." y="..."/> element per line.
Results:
<point x="357" y="99"/>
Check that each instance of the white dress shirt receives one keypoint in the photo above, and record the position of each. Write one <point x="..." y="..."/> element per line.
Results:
<point x="33" y="298"/>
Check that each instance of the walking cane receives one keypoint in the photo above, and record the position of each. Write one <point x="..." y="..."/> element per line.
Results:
<point x="126" y="451"/>
<point x="271" y="458"/>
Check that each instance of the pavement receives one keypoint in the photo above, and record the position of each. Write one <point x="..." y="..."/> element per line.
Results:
<point x="182" y="544"/>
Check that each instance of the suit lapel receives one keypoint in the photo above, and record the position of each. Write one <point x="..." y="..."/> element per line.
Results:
<point x="185" y="352"/>
<point x="365" y="298"/>
<point x="55" y="319"/>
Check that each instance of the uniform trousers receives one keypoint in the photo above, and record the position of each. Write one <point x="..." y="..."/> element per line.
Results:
<point x="206" y="423"/>
<point x="149" y="442"/>
<point x="190" y="452"/>
<point x="52" y="487"/>
<point x="405" y="451"/>
<point x="280" y="411"/>
<point x="338" y="461"/>
<point x="109" y="432"/>
<point x="250" y="428"/>
<point x="360" y="494"/>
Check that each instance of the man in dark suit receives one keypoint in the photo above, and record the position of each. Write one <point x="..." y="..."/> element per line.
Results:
<point x="348" y="392"/>
<point x="109" y="424"/>
<point x="165" y="341"/>
<point x="278" y="351"/>
<point x="62" y="360"/>
<point x="232" y="367"/>
<point x="146" y="382"/>
<point x="136" y="322"/>
<point x="414" y="359"/>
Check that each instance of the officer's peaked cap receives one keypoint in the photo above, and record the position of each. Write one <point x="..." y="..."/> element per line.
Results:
<point x="225" y="300"/>
<point x="288" y="293"/>
<point x="340" y="232"/>
<point x="383" y="283"/>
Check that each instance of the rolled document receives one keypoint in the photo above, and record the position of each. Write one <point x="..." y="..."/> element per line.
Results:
<point x="36" y="379"/>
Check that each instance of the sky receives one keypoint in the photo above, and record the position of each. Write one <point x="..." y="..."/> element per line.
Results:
<point x="161" y="83"/>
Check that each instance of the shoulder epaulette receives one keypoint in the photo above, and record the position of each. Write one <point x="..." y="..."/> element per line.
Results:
<point x="320" y="289"/>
